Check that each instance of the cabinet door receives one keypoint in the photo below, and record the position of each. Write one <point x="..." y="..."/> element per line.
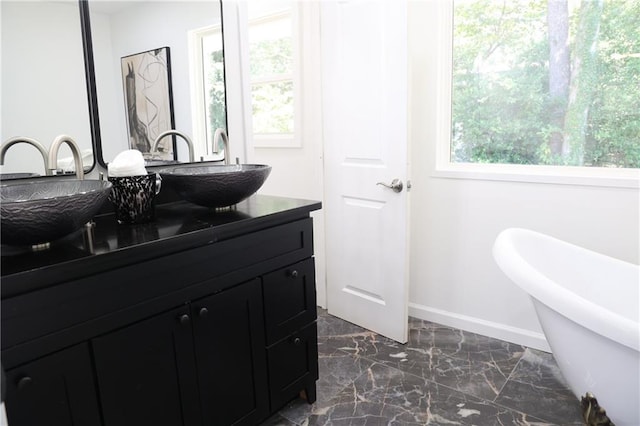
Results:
<point x="230" y="353"/>
<point x="55" y="390"/>
<point x="289" y="299"/>
<point x="293" y="367"/>
<point x="146" y="372"/>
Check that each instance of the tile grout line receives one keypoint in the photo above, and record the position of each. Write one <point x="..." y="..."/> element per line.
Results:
<point x="515" y="367"/>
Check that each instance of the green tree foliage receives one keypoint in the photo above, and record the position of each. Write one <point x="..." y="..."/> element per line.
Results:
<point x="501" y="96"/>
<point x="584" y="81"/>
<point x="271" y="65"/>
<point x="269" y="57"/>
<point x="613" y="133"/>
<point x="217" y="100"/>
<point x="272" y="105"/>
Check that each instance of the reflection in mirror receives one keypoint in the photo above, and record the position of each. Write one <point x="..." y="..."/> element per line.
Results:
<point x="44" y="90"/>
<point x="135" y="103"/>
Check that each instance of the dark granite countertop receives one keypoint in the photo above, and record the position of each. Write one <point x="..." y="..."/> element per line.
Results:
<point x="107" y="245"/>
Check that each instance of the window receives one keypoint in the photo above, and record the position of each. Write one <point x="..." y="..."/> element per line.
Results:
<point x="208" y="89"/>
<point x="546" y="82"/>
<point x="272" y="72"/>
<point x="213" y="81"/>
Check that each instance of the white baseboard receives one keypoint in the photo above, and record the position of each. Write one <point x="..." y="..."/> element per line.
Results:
<point x="495" y="330"/>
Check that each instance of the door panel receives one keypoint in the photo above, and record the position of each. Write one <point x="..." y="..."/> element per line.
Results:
<point x="55" y="390"/>
<point x="365" y="105"/>
<point x="230" y="352"/>
<point x="146" y="372"/>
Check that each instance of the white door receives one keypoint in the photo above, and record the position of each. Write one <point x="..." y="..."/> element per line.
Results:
<point x="364" y="57"/>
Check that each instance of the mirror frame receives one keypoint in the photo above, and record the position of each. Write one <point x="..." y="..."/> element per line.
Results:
<point x="90" y="78"/>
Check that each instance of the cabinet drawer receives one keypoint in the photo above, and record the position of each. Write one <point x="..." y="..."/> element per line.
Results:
<point x="293" y="366"/>
<point x="289" y="299"/>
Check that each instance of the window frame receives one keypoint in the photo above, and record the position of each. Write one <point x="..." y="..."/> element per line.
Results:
<point x="445" y="168"/>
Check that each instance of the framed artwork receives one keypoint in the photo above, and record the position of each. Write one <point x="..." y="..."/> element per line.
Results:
<point x="146" y="79"/>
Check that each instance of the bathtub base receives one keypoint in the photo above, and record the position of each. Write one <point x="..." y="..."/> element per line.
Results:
<point x="592" y="413"/>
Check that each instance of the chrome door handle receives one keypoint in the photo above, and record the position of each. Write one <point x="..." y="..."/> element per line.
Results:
<point x="396" y="185"/>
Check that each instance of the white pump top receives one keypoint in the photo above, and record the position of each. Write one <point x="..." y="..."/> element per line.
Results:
<point x="127" y="163"/>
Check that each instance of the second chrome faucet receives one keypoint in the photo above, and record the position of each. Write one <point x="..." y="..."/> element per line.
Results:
<point x="177" y="133"/>
<point x="50" y="158"/>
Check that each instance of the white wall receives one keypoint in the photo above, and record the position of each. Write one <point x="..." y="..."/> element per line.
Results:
<point x="454" y="279"/>
<point x="43" y="83"/>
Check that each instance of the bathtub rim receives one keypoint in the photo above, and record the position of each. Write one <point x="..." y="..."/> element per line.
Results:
<point x="595" y="317"/>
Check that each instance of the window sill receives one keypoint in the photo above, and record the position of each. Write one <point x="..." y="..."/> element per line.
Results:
<point x="560" y="175"/>
<point x="276" y="141"/>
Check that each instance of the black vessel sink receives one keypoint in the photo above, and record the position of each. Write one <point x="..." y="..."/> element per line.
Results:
<point x="216" y="185"/>
<point x="40" y="212"/>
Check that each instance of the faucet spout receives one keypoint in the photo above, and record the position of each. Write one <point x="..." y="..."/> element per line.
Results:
<point x="221" y="134"/>
<point x="75" y="150"/>
<point x="21" y="139"/>
<point x="177" y="133"/>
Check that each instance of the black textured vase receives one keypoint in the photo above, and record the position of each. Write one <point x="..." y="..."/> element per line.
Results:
<point x="133" y="197"/>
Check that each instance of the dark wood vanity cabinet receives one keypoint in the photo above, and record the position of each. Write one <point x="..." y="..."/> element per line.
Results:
<point x="207" y="329"/>
<point x="202" y="363"/>
<point x="293" y="366"/>
<point x="289" y="299"/>
<point x="57" y="389"/>
<point x="290" y="314"/>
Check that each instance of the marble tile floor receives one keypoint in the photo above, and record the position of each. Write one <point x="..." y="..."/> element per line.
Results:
<point x="442" y="376"/>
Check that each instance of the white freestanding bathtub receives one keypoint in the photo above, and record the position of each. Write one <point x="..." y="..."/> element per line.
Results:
<point x="588" y="307"/>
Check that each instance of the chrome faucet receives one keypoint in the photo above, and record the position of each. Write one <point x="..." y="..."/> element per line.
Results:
<point x="21" y="139"/>
<point x="220" y="133"/>
<point x="75" y="150"/>
<point x="177" y="133"/>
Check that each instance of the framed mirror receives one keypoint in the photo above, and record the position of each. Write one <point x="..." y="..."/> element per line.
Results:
<point x="44" y="89"/>
<point x="159" y="65"/>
